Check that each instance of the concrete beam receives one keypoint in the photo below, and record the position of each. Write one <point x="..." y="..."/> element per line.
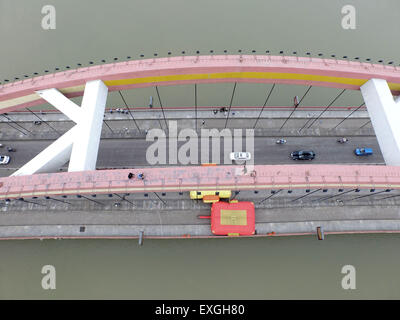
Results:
<point x="87" y="135"/>
<point x="61" y="102"/>
<point x="182" y="179"/>
<point x="51" y="158"/>
<point x="384" y="112"/>
<point x="81" y="143"/>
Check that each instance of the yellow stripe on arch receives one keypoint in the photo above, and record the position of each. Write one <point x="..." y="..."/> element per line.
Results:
<point x="245" y="75"/>
<point x="204" y="76"/>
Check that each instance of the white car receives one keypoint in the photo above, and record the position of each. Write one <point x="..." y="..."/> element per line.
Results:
<point x="240" y="156"/>
<point x="4" y="159"/>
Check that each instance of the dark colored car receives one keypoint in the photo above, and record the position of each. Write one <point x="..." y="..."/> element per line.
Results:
<point x="302" y="155"/>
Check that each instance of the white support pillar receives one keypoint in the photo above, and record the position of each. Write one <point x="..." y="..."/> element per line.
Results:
<point x="80" y="144"/>
<point x="87" y="139"/>
<point x="51" y="158"/>
<point x="384" y="112"/>
<point x="61" y="102"/>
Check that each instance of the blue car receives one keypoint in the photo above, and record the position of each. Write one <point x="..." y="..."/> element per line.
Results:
<point x="363" y="151"/>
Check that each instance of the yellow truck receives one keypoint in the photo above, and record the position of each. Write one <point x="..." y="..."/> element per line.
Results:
<point x="200" y="194"/>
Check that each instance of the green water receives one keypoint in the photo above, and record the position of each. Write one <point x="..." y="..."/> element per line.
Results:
<point x="272" y="268"/>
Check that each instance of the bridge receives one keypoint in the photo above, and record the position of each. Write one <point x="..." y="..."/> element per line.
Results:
<point x="38" y="178"/>
<point x="180" y="179"/>
<point x="201" y="69"/>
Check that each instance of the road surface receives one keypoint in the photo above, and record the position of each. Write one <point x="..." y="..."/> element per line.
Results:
<point x="117" y="153"/>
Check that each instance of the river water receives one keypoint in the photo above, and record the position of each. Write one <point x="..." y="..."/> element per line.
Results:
<point x="269" y="268"/>
<point x="296" y="267"/>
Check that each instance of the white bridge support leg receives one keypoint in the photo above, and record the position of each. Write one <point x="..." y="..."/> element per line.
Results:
<point x="51" y="158"/>
<point x="80" y="144"/>
<point x="384" y="112"/>
<point x="87" y="135"/>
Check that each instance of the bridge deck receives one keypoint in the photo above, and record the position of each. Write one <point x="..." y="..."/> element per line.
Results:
<point x="177" y="179"/>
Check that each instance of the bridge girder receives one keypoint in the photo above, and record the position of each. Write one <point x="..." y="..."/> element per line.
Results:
<point x="180" y="179"/>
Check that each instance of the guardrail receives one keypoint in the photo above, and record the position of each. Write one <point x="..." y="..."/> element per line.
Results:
<point x="180" y="179"/>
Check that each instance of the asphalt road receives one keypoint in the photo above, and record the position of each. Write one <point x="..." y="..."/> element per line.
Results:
<point x="116" y="153"/>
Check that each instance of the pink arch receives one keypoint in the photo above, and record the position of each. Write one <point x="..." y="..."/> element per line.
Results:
<point x="201" y="69"/>
<point x="176" y="179"/>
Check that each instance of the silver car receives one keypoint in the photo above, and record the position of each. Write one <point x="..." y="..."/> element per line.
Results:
<point x="4" y="159"/>
<point x="240" y="156"/>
